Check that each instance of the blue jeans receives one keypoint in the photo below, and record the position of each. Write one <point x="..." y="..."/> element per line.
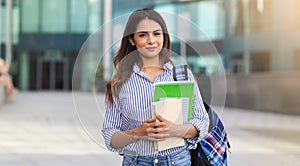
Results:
<point x="182" y="158"/>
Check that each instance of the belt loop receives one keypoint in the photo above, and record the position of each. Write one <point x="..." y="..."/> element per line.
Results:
<point x="135" y="159"/>
<point x="169" y="160"/>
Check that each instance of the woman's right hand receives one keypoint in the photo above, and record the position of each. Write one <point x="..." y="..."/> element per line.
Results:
<point x="152" y="130"/>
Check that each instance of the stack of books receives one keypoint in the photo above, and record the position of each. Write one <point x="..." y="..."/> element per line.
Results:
<point x="174" y="102"/>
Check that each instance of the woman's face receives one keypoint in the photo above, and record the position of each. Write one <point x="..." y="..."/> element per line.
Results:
<point x="148" y="39"/>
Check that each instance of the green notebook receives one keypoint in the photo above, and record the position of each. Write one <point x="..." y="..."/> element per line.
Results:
<point x="177" y="89"/>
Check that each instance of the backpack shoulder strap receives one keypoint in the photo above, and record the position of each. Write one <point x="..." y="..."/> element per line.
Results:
<point x="180" y="73"/>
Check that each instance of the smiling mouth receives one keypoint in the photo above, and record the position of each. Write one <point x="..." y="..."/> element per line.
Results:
<point x="151" y="48"/>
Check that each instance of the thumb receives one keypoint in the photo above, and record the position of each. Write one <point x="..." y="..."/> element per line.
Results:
<point x="160" y="118"/>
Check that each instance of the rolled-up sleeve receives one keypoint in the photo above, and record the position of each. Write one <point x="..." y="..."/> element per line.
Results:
<point x="200" y="117"/>
<point x="111" y="125"/>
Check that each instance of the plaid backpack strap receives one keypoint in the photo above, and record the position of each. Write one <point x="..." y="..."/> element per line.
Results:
<point x="215" y="143"/>
<point x="180" y="72"/>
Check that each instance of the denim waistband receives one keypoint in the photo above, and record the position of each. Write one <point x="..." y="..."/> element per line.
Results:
<point x="179" y="158"/>
<point x="157" y="156"/>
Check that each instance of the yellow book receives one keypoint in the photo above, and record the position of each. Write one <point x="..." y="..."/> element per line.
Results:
<point x="170" y="109"/>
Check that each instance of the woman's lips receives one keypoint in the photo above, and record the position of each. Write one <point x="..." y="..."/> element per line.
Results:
<point x="151" y="48"/>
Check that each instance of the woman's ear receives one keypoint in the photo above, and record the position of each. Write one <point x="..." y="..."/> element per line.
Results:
<point x="131" y="41"/>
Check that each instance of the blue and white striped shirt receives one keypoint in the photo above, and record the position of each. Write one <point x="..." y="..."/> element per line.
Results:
<point x="134" y="106"/>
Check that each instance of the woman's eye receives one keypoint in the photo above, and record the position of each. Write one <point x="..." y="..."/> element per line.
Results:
<point x="142" y="35"/>
<point x="157" y="33"/>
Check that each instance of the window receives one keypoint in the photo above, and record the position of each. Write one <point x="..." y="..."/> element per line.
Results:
<point x="2" y="24"/>
<point x="260" y="61"/>
<point x="60" y="16"/>
<point x="14" y="21"/>
<point x="211" y="19"/>
<point x="78" y="16"/>
<point x="30" y="16"/>
<point x="206" y="65"/>
<point x="94" y="15"/>
<point x="203" y="20"/>
<point x="54" y="16"/>
<point x="237" y="63"/>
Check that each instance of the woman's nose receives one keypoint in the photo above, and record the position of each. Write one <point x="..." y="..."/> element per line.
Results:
<point x="151" y="39"/>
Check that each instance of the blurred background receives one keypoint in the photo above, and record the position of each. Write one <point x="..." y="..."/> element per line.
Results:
<point x="256" y="41"/>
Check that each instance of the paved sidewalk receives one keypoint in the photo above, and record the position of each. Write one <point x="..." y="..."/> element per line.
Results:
<point x="262" y="139"/>
<point x="43" y="128"/>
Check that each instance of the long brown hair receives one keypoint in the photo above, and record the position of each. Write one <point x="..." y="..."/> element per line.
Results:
<point x="127" y="55"/>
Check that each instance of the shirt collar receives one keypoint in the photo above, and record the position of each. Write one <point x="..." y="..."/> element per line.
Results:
<point x="167" y="66"/>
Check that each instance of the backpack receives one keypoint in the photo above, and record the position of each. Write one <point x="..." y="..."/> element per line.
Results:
<point x="212" y="149"/>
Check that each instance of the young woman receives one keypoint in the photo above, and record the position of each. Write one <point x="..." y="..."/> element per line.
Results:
<point x="142" y="60"/>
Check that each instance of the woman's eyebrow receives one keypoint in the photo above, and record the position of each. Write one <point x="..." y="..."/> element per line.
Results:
<point x="158" y="30"/>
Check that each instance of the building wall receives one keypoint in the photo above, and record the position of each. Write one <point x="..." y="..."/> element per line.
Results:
<point x="271" y="92"/>
<point x="274" y="92"/>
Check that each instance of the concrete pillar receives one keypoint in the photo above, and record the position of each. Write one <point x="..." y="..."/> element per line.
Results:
<point x="88" y="71"/>
<point x="107" y="39"/>
<point x="8" y="31"/>
<point x="24" y="71"/>
<point x="0" y="25"/>
<point x="226" y="39"/>
<point x="246" y="36"/>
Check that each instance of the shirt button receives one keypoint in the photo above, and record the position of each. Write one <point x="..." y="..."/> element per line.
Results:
<point x="156" y="161"/>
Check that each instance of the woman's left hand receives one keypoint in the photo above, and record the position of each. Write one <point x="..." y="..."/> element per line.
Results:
<point x="177" y="130"/>
<point x="169" y="128"/>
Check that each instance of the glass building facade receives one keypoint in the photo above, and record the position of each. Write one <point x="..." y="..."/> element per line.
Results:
<point x="47" y="36"/>
<point x="60" y="16"/>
